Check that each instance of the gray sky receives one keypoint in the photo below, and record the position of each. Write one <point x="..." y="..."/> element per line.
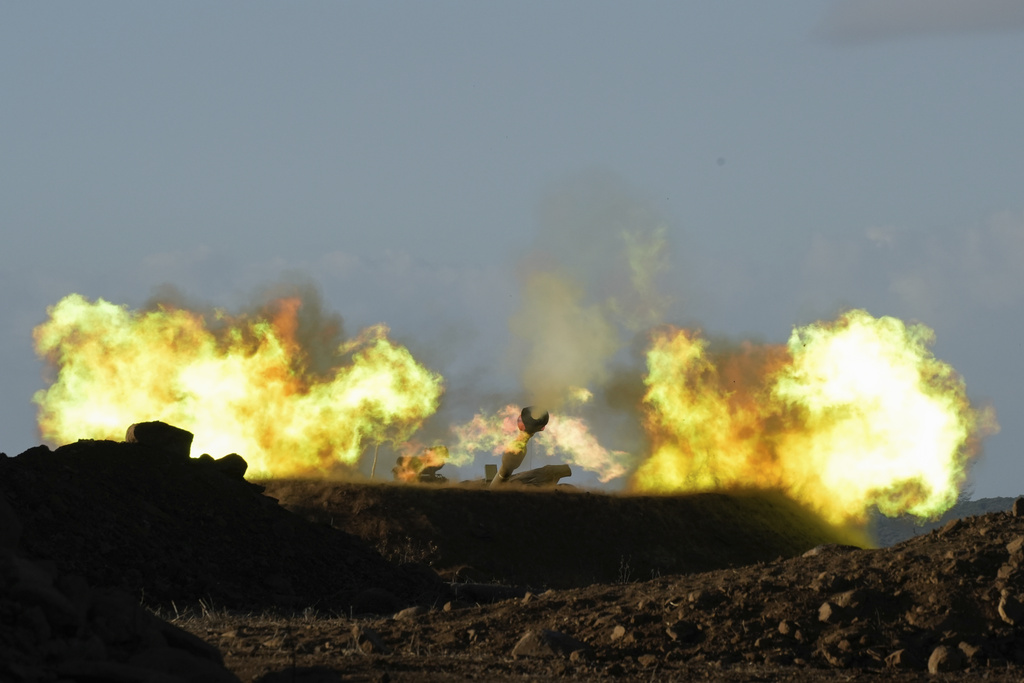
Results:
<point x="804" y="156"/>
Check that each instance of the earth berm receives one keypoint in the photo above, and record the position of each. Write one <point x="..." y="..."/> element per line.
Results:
<point x="119" y="561"/>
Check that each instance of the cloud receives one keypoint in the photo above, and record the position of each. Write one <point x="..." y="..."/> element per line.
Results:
<point x="864" y="21"/>
<point x="987" y="262"/>
<point x="933" y="276"/>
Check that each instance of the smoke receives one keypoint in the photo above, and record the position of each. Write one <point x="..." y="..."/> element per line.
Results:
<point x="588" y="284"/>
<point x="568" y="342"/>
<point x="862" y="21"/>
<point x="318" y="333"/>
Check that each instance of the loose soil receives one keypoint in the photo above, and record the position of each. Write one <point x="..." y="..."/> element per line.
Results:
<point x="334" y="581"/>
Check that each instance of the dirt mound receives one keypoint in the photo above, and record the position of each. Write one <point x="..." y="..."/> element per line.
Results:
<point x="282" y="592"/>
<point x="949" y="603"/>
<point x="175" y="530"/>
<point x="55" y="626"/>
<point x="562" y="537"/>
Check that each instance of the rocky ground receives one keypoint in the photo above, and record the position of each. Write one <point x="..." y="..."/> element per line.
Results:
<point x="125" y="562"/>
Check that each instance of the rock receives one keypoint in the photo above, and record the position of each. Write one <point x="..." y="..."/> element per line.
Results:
<point x="233" y="465"/>
<point x="161" y="436"/>
<point x="1018" y="507"/>
<point x="945" y="658"/>
<point x="58" y="609"/>
<point x="951" y="526"/>
<point x="367" y="640"/>
<point x="618" y="633"/>
<point x="683" y="632"/>
<point x="829" y="548"/>
<point x="647" y="661"/>
<point x="1010" y="609"/>
<point x="972" y="653"/>
<point x="827" y="612"/>
<point x="903" y="660"/>
<point x="547" y="644"/>
<point x="1014" y="546"/>
<point x="69" y="630"/>
<point x="410" y="613"/>
<point x="836" y="657"/>
<point x="850" y="598"/>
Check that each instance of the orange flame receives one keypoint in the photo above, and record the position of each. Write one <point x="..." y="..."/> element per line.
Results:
<point x="849" y="414"/>
<point x="245" y="386"/>
<point x="410" y="466"/>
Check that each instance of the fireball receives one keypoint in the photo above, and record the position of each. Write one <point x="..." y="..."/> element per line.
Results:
<point x="240" y="384"/>
<point x="847" y="415"/>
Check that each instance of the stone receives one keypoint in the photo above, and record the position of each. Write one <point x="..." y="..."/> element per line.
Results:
<point x="619" y="632"/>
<point x="1014" y="546"/>
<point x="972" y="653"/>
<point x="951" y="525"/>
<point x="547" y="644"/>
<point x="58" y="609"/>
<point x="902" y="660"/>
<point x="233" y="465"/>
<point x="647" y="661"/>
<point x="850" y="598"/>
<point x="1010" y="609"/>
<point x="161" y="436"/>
<point x="1018" y="507"/>
<point x="944" y="659"/>
<point x="367" y="640"/>
<point x="827" y="612"/>
<point x="683" y="632"/>
<point x="410" y="613"/>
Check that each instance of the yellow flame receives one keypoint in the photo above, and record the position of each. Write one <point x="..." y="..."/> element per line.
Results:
<point x="410" y="466"/>
<point x="242" y="387"/>
<point x="850" y="414"/>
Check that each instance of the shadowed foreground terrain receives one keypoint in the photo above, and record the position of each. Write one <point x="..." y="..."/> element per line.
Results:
<point x="339" y="582"/>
